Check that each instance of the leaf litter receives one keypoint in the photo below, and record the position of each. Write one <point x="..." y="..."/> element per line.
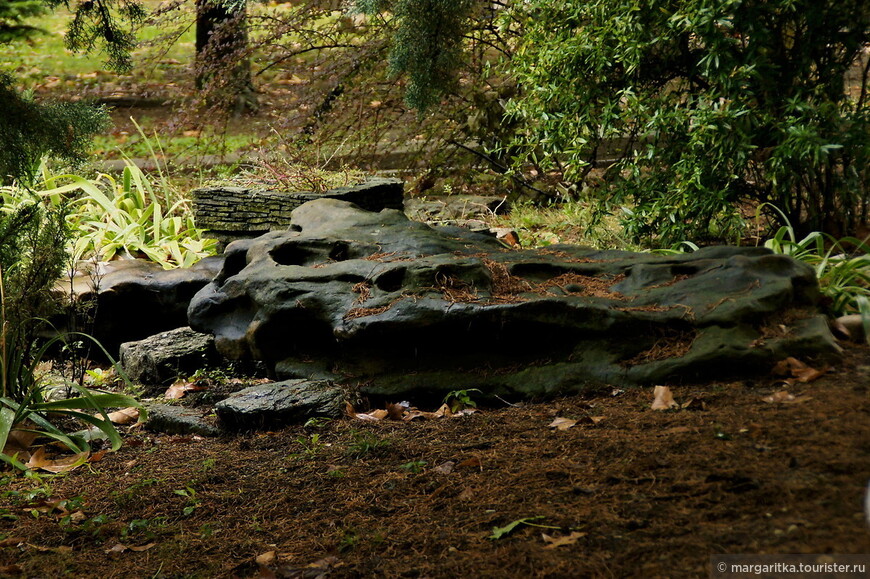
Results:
<point x="404" y="412"/>
<point x="624" y="481"/>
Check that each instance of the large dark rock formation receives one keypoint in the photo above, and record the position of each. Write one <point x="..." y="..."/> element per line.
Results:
<point x="398" y="308"/>
<point x="128" y="300"/>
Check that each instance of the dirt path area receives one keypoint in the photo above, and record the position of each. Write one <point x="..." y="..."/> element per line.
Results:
<point x="627" y="491"/>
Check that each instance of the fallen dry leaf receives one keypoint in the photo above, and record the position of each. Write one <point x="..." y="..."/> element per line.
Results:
<point x="808" y="375"/>
<point x="562" y="423"/>
<point x="376" y="414"/>
<point x="787" y="366"/>
<point x="694" y="404"/>
<point x="593" y="420"/>
<point x="62" y="464"/>
<point x="121" y="548"/>
<point x="125" y="415"/>
<point x="797" y="371"/>
<point x="445" y="467"/>
<point x="664" y="399"/>
<point x="553" y="542"/>
<point x="676" y="430"/>
<point x="19" y="440"/>
<point x="180" y="388"/>
<point x="325" y="563"/>
<point x="373" y="415"/>
<point x="785" y="397"/>
<point x="266" y="558"/>
<point x="779" y="397"/>
<point x="473" y="462"/>
<point x="396" y="411"/>
<point x="443" y="410"/>
<point x="98" y="456"/>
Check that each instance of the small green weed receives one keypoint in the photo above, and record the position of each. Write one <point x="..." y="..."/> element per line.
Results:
<point x="414" y="467"/>
<point x="460" y="399"/>
<point x="311" y="446"/>
<point x="144" y="529"/>
<point x="366" y="443"/>
<point x="192" y="502"/>
<point x="207" y="530"/>
<point x="316" y="422"/>
<point x="348" y="541"/>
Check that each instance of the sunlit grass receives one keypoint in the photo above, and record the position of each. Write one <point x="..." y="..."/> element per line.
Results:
<point x="565" y="222"/>
<point x="44" y="62"/>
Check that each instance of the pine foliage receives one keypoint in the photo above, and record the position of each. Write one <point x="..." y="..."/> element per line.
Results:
<point x="13" y="18"/>
<point x="427" y="44"/>
<point x="29" y="130"/>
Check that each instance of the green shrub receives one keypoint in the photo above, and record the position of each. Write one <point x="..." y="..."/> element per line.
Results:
<point x="705" y="105"/>
<point x="32" y="258"/>
<point x="842" y="265"/>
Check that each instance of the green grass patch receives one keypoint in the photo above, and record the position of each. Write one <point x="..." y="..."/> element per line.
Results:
<point x="564" y="222"/>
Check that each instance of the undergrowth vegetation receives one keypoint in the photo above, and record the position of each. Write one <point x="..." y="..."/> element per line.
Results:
<point x="123" y="217"/>
<point x="842" y="266"/>
<point x="33" y="406"/>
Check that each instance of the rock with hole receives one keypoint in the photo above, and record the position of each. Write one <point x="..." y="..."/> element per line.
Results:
<point x="399" y="309"/>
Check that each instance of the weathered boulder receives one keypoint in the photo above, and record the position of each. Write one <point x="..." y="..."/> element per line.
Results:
<point x="132" y="299"/>
<point x="278" y="403"/>
<point x="398" y="308"/>
<point x="160" y="359"/>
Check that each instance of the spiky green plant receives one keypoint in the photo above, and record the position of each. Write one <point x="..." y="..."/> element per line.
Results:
<point x="842" y="265"/>
<point x="127" y="217"/>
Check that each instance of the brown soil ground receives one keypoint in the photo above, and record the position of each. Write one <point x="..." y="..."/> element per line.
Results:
<point x="646" y="493"/>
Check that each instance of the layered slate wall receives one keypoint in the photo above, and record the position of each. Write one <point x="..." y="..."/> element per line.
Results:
<point x="230" y="213"/>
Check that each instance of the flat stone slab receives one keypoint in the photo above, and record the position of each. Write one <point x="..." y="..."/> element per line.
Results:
<point x="230" y="213"/>
<point x="173" y="419"/>
<point x="280" y="403"/>
<point x="396" y="308"/>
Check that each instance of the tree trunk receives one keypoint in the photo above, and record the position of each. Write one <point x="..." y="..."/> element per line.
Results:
<point x="222" y="66"/>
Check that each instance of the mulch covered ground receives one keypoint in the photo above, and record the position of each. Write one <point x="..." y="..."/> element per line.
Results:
<point x="627" y="491"/>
